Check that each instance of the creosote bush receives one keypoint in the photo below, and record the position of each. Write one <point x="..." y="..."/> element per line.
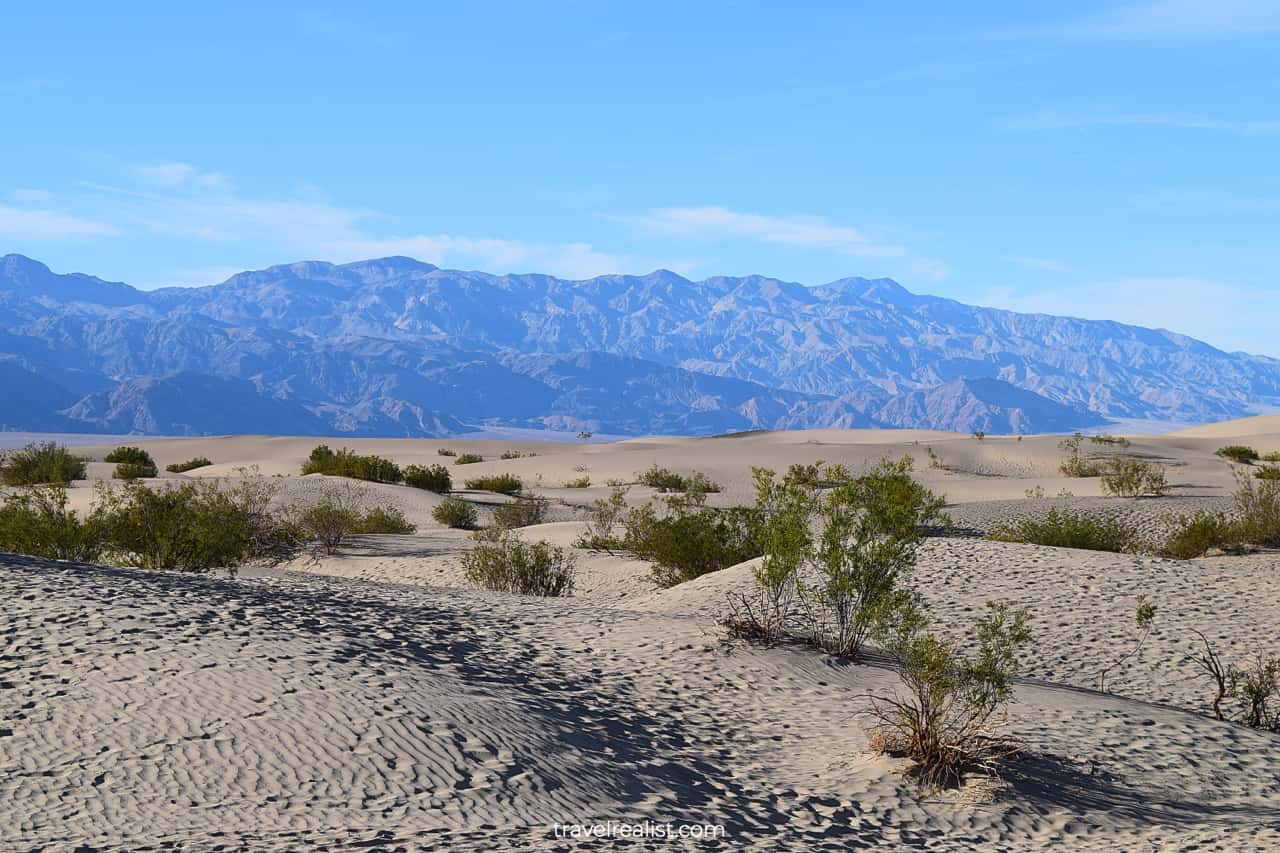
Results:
<point x="515" y="454"/>
<point x="189" y="465"/>
<point x="40" y="463"/>
<point x="1255" y="689"/>
<point x="1196" y="535"/>
<point x="346" y="463"/>
<point x="444" y="451"/>
<point x="433" y="478"/>
<point x="383" y="519"/>
<point x="132" y="463"/>
<point x="1238" y="453"/>
<point x="522" y="512"/>
<point x="506" y="484"/>
<point x="500" y="561"/>
<point x="1077" y="464"/>
<point x="468" y="459"/>
<point x="1060" y="529"/>
<point x="578" y="483"/>
<point x="607" y="514"/>
<point x="36" y="521"/>
<point x="1133" y="478"/>
<point x="948" y="716"/>
<point x="690" y="541"/>
<point x="456" y="513"/>
<point x="666" y="480"/>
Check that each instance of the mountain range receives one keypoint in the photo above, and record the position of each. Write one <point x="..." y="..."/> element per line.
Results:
<point x="398" y="347"/>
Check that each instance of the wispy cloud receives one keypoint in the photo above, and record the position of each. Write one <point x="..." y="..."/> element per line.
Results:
<point x="1054" y="120"/>
<point x="30" y="195"/>
<point x="1162" y="19"/>
<point x="812" y="232"/>
<point x="18" y="223"/>
<point x="1046" y="264"/>
<point x="175" y="175"/>
<point x="570" y="260"/>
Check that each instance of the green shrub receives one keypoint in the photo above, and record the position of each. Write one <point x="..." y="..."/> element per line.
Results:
<point x="578" y="483"/>
<point x="189" y="465"/>
<point x="1257" y="509"/>
<point x="456" y="513"/>
<point x="947" y="717"/>
<point x="191" y="527"/>
<point x="383" y="519"/>
<point x="1112" y="440"/>
<point x="1133" y="478"/>
<point x="1268" y="472"/>
<point x="689" y="543"/>
<point x="506" y="564"/>
<point x="666" y="480"/>
<point x="1272" y="456"/>
<point x="433" y="478"/>
<point x="1077" y="464"/>
<point x="602" y="525"/>
<point x="37" y="463"/>
<point x="130" y="455"/>
<point x="507" y="484"/>
<point x="37" y="522"/>
<point x="444" y="451"/>
<point x="516" y="454"/>
<point x="1069" y="530"/>
<point x="132" y="463"/>
<point x="468" y="459"/>
<point x="345" y="463"/>
<point x="1238" y="453"/>
<point x="522" y="512"/>
<point x="1194" y="536"/>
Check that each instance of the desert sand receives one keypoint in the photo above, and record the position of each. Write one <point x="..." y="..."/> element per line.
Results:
<point x="371" y="700"/>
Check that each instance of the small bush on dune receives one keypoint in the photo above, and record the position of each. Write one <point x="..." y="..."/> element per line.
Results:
<point x="504" y="563"/>
<point x="456" y="513"/>
<point x="433" y="478"/>
<point x="602" y="526"/>
<point x="189" y="465"/>
<point x="383" y="519"/>
<point x="1196" y="535"/>
<point x="346" y="463"/>
<point x="522" y="512"/>
<point x="190" y="527"/>
<point x="1255" y="689"/>
<point x="506" y="484"/>
<point x="36" y="521"/>
<point x="1077" y="464"/>
<point x="468" y="459"/>
<point x="947" y="718"/>
<point x="1112" y="440"/>
<point x="666" y="480"/>
<point x="1133" y="478"/>
<point x="1268" y="472"/>
<point x="1257" y="509"/>
<point x="444" y="451"/>
<point x="38" y="464"/>
<point x="578" y="483"/>
<point x="1069" y="530"/>
<point x="132" y="463"/>
<point x="516" y="454"/>
<point x="1272" y="456"/>
<point x="1238" y="453"/>
<point x="688" y="544"/>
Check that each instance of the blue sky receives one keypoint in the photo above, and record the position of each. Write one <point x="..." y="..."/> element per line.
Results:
<point x="1107" y="160"/>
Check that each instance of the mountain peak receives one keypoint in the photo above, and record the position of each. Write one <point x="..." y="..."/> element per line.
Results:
<point x="874" y="289"/>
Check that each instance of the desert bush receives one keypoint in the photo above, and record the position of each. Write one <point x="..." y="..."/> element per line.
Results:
<point x="1268" y="472"/>
<point x="666" y="480"/>
<point x="948" y="717"/>
<point x="578" y="482"/>
<point x="522" y="512"/>
<point x="516" y="454"/>
<point x="1144" y="617"/>
<point x="456" y="513"/>
<point x="132" y="463"/>
<point x="689" y="542"/>
<point x="468" y="459"/>
<point x="871" y="527"/>
<point x="1238" y="453"/>
<point x="1271" y="456"/>
<point x="334" y="515"/>
<point x="1069" y="530"/>
<point x="1111" y="440"/>
<point x="444" y="451"/>
<point x="1195" y="535"/>
<point x="1133" y="478"/>
<point x="1257" y="509"/>
<point x="36" y="521"/>
<point x="1256" y="689"/>
<point x="383" y="519"/>
<point x="346" y="463"/>
<point x="189" y="465"/>
<point x="506" y="484"/>
<point x="433" y="478"/>
<point x="190" y="527"/>
<point x="980" y="435"/>
<point x="38" y="464"/>
<point x="602" y="525"/>
<point x="1077" y="464"/>
<point x="506" y="564"/>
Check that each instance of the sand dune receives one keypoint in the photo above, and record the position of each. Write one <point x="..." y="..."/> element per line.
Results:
<point x="371" y="699"/>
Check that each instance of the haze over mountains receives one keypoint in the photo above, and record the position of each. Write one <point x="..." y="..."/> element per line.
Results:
<point x="398" y="347"/>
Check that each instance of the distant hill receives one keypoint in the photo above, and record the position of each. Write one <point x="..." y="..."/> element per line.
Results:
<point x="398" y="347"/>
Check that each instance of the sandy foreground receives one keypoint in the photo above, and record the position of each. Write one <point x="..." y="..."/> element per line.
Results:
<point x="370" y="700"/>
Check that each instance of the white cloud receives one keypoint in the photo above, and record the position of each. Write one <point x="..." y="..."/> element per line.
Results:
<point x="1046" y="264"/>
<point x="1167" y="19"/>
<point x="811" y="232"/>
<point x="174" y="175"/>
<point x="1053" y="120"/>
<point x="570" y="260"/>
<point x="26" y="224"/>
<point x="1224" y="315"/>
